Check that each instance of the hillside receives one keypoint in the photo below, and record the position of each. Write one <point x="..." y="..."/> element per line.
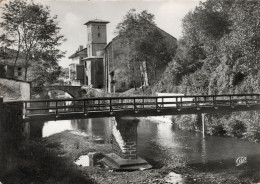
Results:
<point x="219" y="54"/>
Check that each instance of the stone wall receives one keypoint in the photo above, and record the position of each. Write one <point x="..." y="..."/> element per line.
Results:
<point x="12" y="89"/>
<point x="11" y="134"/>
<point x="97" y="75"/>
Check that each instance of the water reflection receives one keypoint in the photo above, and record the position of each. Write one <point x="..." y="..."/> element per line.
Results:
<point x="53" y="127"/>
<point x="203" y="151"/>
<point x="92" y="127"/>
<point x="162" y="143"/>
<point x="83" y="161"/>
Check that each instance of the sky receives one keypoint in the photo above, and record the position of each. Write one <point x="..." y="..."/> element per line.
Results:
<point x="72" y="14"/>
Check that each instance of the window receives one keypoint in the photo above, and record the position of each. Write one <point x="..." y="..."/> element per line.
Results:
<point x="19" y="72"/>
<point x="98" y="34"/>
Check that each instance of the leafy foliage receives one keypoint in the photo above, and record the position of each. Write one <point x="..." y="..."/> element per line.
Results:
<point x="219" y="54"/>
<point x="145" y="43"/>
<point x="30" y="28"/>
<point x="220" y="43"/>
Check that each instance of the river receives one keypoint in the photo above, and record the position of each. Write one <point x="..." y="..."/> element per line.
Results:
<point x="161" y="143"/>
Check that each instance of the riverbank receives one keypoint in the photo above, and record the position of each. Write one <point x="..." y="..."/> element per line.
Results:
<point x="39" y="161"/>
<point x="71" y="146"/>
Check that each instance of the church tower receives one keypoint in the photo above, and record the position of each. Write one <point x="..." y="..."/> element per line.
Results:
<point x="97" y="36"/>
<point x="96" y="43"/>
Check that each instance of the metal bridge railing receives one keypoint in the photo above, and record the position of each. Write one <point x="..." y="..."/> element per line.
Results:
<point x="137" y="103"/>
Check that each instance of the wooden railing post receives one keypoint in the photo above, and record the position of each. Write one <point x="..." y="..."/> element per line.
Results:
<point x="110" y="105"/>
<point x="247" y="104"/>
<point x="56" y="108"/>
<point x="134" y="104"/>
<point x="156" y="103"/>
<point x="214" y="100"/>
<point x="162" y="102"/>
<point x="84" y="106"/>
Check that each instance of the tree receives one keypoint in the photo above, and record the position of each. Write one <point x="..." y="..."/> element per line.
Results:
<point x="30" y="28"/>
<point x="145" y="43"/>
<point x="219" y="54"/>
<point x="220" y="40"/>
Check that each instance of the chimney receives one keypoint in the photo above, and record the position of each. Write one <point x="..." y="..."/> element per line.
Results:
<point x="80" y="47"/>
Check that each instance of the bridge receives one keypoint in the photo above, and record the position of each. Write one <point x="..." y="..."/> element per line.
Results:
<point x="138" y="106"/>
<point x="123" y="111"/>
<point x="74" y="91"/>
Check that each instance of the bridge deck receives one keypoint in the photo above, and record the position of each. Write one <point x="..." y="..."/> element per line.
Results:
<point x="60" y="109"/>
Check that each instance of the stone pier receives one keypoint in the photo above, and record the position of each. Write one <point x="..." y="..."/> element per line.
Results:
<point x="124" y="137"/>
<point x="124" y="144"/>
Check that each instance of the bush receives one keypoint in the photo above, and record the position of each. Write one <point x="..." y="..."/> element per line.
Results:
<point x="218" y="130"/>
<point x="256" y="136"/>
<point x="238" y="129"/>
<point x="185" y="122"/>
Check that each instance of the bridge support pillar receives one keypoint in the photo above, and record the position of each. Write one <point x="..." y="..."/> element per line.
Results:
<point x="203" y="125"/>
<point x="124" y="144"/>
<point x="200" y="123"/>
<point x="124" y="138"/>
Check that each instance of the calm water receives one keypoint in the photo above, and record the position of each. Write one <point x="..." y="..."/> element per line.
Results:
<point x="161" y="144"/>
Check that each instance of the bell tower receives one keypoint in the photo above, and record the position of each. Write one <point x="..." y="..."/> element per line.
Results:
<point x="97" y="41"/>
<point x="97" y="36"/>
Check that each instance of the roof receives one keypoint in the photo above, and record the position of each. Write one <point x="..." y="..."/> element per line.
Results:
<point x="166" y="33"/>
<point x="158" y="28"/>
<point x="109" y="44"/>
<point x="96" y="21"/>
<point x="161" y="30"/>
<point x="77" y="53"/>
<point x="93" y="57"/>
<point x="7" y="57"/>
